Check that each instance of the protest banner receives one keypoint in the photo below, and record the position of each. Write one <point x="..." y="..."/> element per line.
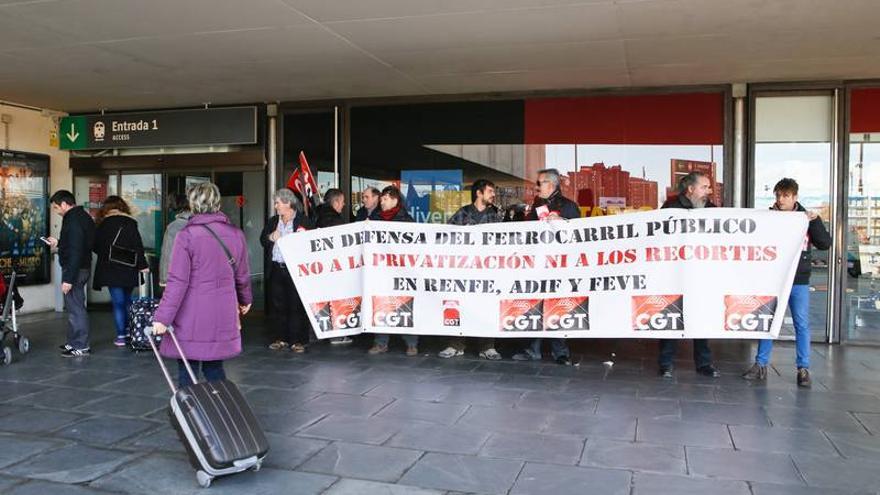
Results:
<point x="707" y="273"/>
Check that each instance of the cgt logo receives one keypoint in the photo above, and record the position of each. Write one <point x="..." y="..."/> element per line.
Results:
<point x="658" y="312"/>
<point x="393" y="311"/>
<point x="522" y="315"/>
<point x="341" y="314"/>
<point x="749" y="313"/>
<point x="567" y="313"/>
<point x="451" y="314"/>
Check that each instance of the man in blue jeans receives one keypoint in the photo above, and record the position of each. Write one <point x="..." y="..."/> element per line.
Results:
<point x="786" y="191"/>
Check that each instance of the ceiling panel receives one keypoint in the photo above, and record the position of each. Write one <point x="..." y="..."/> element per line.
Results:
<point x="526" y="81"/>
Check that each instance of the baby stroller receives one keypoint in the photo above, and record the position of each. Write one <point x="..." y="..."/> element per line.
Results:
<point x="12" y="302"/>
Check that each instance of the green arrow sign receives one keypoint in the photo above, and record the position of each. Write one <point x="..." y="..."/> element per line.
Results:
<point x="72" y="133"/>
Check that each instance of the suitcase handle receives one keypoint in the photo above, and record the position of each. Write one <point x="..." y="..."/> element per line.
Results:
<point x="148" y="332"/>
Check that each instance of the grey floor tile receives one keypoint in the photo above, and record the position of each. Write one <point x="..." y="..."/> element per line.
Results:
<point x="539" y="383"/>
<point x="14" y="391"/>
<point x="463" y="473"/>
<point x="126" y="405"/>
<point x="432" y="412"/>
<point x="16" y="449"/>
<point x="551" y="449"/>
<point x="724" y="413"/>
<point x="85" y="379"/>
<point x="289" y="452"/>
<point x="45" y="488"/>
<point x="661" y="484"/>
<point x="360" y="487"/>
<point x="270" y="379"/>
<point x="352" y="429"/>
<point x="104" y="430"/>
<point x="635" y="456"/>
<point x="857" y="445"/>
<point x="602" y="388"/>
<point x="409" y="390"/>
<point x="792" y="417"/>
<point x="871" y="421"/>
<point x="684" y="433"/>
<point x="6" y="483"/>
<point x="164" y="439"/>
<point x="643" y="409"/>
<point x="350" y="460"/>
<point x="288" y="423"/>
<point x="614" y="427"/>
<point x="143" y="384"/>
<point x="60" y="398"/>
<point x="771" y="489"/>
<point x="680" y="391"/>
<point x="783" y="440"/>
<point x="740" y="465"/>
<point x="840" y="474"/>
<point x="178" y="477"/>
<point x="505" y="419"/>
<point x="71" y="464"/>
<point x="35" y="420"/>
<point x="540" y="479"/>
<point x="565" y="402"/>
<point x="438" y="438"/>
<point x="483" y="397"/>
<point x="279" y="400"/>
<point x="350" y="405"/>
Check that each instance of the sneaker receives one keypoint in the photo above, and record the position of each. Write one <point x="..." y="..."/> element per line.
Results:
<point x="524" y="356"/>
<point x="76" y="352"/>
<point x="450" y="352"/>
<point x="65" y="347"/>
<point x="378" y="349"/>
<point x="413" y="351"/>
<point x="341" y="341"/>
<point x="666" y="373"/>
<point x="278" y="345"/>
<point x="709" y="371"/>
<point x="298" y="348"/>
<point x="119" y="341"/>
<point x="803" y="378"/>
<point x="756" y="372"/>
<point x="564" y="360"/>
<point x="491" y="355"/>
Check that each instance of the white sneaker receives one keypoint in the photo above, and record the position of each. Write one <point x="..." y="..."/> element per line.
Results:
<point x="450" y="352"/>
<point x="491" y="355"/>
<point x="341" y="340"/>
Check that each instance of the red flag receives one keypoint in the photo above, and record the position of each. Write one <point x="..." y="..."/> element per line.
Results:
<point x="303" y="182"/>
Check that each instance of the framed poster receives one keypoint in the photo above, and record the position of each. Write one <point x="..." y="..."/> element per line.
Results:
<point x="24" y="216"/>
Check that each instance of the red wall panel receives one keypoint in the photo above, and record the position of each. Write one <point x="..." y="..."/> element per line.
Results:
<point x="865" y="110"/>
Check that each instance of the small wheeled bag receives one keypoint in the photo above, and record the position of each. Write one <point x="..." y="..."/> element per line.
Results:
<point x="216" y="424"/>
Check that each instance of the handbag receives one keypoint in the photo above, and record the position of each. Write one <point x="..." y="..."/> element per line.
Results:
<point x="122" y="255"/>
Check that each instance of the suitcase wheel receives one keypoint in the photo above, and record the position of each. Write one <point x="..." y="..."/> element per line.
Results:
<point x="7" y="355"/>
<point x="204" y="479"/>
<point x="24" y="345"/>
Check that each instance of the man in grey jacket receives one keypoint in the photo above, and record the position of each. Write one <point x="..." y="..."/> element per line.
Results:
<point x="181" y="206"/>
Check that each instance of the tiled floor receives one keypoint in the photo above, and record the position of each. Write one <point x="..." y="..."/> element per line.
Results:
<point x="342" y="422"/>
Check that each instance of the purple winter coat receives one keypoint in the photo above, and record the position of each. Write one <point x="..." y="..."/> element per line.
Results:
<point x="201" y="298"/>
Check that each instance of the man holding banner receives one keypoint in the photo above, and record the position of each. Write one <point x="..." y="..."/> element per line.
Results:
<point x="693" y="192"/>
<point x="549" y="205"/>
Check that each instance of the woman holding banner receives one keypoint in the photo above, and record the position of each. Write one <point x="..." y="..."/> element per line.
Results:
<point x="393" y="209"/>
<point x="288" y="312"/>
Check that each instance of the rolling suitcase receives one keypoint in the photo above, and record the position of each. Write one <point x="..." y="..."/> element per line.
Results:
<point x="216" y="424"/>
<point x="140" y="316"/>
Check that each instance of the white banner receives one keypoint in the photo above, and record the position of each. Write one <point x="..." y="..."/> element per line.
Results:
<point x="707" y="273"/>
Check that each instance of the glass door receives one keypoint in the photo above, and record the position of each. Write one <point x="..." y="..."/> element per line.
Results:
<point x="793" y="135"/>
<point x="90" y="191"/>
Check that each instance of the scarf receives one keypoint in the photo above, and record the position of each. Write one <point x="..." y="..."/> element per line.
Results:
<point x="389" y="214"/>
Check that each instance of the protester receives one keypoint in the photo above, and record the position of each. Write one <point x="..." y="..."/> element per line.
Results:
<point x="693" y="192"/>
<point x="369" y="205"/>
<point x="786" y="191"/>
<point x="120" y="253"/>
<point x="549" y="204"/>
<point x="330" y="215"/>
<point x="393" y="209"/>
<point x="75" y="256"/>
<point x="482" y="210"/>
<point x="180" y="205"/>
<point x="206" y="294"/>
<point x="288" y="313"/>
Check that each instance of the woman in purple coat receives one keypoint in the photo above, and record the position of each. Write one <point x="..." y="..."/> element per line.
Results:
<point x="205" y="294"/>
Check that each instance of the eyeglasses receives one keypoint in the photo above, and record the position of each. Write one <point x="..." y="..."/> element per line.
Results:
<point x="539" y="182"/>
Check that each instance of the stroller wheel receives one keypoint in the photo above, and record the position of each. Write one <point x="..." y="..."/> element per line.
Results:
<point x="24" y="345"/>
<point x="7" y="355"/>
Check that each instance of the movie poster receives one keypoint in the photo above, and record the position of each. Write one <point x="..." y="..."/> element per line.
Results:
<point x="24" y="216"/>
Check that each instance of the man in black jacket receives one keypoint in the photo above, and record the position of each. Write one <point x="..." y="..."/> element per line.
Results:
<point x="369" y="205"/>
<point x="330" y="211"/>
<point x="75" y="256"/>
<point x="482" y="210"/>
<point x="786" y="191"/>
<point x="693" y="192"/>
<point x="550" y="204"/>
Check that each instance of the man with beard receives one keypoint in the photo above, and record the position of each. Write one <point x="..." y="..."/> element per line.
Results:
<point x="693" y="192"/>
<point x="550" y="204"/>
<point x="481" y="210"/>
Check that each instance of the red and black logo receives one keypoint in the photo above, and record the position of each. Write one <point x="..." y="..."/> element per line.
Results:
<point x="451" y="314"/>
<point x="393" y="311"/>
<point x="567" y="313"/>
<point x="658" y="312"/>
<point x="749" y="313"/>
<point x="341" y="314"/>
<point x="522" y="315"/>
